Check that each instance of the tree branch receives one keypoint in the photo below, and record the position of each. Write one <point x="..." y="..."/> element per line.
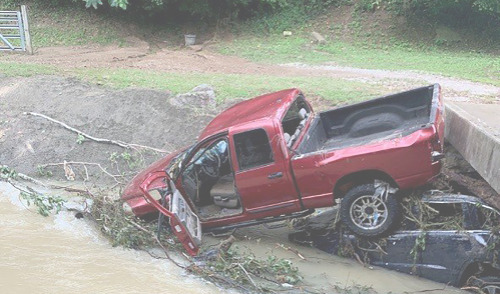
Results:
<point x="100" y="140"/>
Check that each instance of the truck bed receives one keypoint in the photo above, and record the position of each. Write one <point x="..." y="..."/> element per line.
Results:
<point x="379" y="119"/>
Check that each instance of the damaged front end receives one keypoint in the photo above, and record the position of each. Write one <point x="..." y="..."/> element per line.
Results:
<point x="184" y="222"/>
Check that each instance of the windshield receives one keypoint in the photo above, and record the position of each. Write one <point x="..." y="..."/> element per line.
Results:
<point x="175" y="166"/>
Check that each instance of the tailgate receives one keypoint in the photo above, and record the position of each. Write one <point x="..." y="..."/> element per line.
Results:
<point x="184" y="222"/>
<point x="437" y="114"/>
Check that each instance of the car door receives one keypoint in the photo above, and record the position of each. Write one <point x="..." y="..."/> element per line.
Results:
<point x="262" y="174"/>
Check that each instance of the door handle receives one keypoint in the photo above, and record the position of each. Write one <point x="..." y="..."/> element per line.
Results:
<point x="275" y="175"/>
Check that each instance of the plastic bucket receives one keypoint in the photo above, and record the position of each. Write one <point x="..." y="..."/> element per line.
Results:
<point x="189" y="40"/>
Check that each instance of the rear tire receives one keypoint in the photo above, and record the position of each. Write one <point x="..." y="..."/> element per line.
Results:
<point x="367" y="215"/>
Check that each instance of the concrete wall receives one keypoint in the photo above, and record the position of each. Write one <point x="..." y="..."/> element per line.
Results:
<point x="472" y="130"/>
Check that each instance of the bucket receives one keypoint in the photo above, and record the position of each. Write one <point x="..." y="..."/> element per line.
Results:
<point x="189" y="40"/>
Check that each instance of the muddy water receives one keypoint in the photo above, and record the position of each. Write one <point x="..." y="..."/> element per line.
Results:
<point x="327" y="273"/>
<point x="62" y="254"/>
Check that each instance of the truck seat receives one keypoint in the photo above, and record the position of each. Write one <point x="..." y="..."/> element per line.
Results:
<point x="224" y="192"/>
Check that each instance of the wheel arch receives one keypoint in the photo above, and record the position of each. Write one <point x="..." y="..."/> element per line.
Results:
<point x="476" y="268"/>
<point x="358" y="178"/>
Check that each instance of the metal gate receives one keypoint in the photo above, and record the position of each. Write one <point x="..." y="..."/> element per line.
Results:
<point x="14" y="33"/>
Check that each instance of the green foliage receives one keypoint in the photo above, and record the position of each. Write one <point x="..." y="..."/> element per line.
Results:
<point x="481" y="15"/>
<point x="7" y="173"/>
<point x="131" y="160"/>
<point x="240" y="268"/>
<point x="479" y="67"/>
<point x="80" y="139"/>
<point x="45" y="204"/>
<point x="42" y="171"/>
<point x="118" y="227"/>
<point x="335" y="90"/>
<point x="419" y="246"/>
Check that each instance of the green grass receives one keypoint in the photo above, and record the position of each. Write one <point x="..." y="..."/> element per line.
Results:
<point x="233" y="86"/>
<point x="14" y="69"/>
<point x="466" y="65"/>
<point x="70" y="25"/>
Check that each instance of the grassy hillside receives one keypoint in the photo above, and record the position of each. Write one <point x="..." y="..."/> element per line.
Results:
<point x="374" y="40"/>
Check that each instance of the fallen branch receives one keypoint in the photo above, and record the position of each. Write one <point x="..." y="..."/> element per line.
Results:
<point x="100" y="140"/>
<point x="153" y="235"/>
<point x="84" y="164"/>
<point x="248" y="275"/>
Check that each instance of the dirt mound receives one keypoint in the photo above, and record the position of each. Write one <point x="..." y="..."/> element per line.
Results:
<point x="139" y="116"/>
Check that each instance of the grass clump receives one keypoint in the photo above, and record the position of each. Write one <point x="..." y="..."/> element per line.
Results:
<point x="17" y="69"/>
<point x="229" y="86"/>
<point x="480" y="67"/>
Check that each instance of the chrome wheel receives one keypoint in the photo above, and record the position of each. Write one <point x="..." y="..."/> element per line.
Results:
<point x="491" y="289"/>
<point x="368" y="212"/>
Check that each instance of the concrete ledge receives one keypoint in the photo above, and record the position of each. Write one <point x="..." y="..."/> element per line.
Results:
<point x="474" y="130"/>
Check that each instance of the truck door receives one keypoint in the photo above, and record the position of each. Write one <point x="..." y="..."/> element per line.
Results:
<point x="262" y="174"/>
<point x="184" y="222"/>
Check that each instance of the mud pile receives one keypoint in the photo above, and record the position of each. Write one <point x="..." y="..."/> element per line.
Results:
<point x="138" y="116"/>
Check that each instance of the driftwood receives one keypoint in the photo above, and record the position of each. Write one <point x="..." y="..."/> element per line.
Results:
<point x="100" y="140"/>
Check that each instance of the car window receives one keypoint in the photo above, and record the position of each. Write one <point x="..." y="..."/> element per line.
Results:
<point x="253" y="149"/>
<point x="446" y="216"/>
<point x="434" y="216"/>
<point x="488" y="218"/>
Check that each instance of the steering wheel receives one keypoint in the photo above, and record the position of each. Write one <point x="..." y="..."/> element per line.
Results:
<point x="211" y="165"/>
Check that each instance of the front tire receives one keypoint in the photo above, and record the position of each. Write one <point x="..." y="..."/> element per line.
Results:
<point x="367" y="214"/>
<point x="489" y="285"/>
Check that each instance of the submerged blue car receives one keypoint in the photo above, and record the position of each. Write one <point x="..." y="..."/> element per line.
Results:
<point x="459" y="243"/>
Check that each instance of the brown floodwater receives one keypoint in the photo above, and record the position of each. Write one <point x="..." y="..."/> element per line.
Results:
<point x="62" y="254"/>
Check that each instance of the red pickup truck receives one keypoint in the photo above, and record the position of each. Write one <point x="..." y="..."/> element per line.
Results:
<point x="272" y="158"/>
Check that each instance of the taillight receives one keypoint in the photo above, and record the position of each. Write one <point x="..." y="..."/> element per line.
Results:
<point x="436" y="146"/>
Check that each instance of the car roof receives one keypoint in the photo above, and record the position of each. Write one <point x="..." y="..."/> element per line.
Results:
<point x="441" y="197"/>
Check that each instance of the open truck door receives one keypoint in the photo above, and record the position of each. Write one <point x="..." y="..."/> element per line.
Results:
<point x="184" y="222"/>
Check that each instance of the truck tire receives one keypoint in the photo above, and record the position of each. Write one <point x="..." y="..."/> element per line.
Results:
<point x="489" y="285"/>
<point x="367" y="215"/>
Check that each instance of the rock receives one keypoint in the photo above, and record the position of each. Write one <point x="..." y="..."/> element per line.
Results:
<point x="318" y="38"/>
<point x="201" y="96"/>
<point x="287" y="33"/>
<point x="196" y="48"/>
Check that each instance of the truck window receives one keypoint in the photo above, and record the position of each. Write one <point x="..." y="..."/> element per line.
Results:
<point x="294" y="120"/>
<point x="253" y="149"/>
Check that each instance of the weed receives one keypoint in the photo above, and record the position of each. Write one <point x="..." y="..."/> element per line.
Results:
<point x="131" y="160"/>
<point x="419" y="246"/>
<point x="80" y="139"/>
<point x="43" y="171"/>
<point x="240" y="268"/>
<point x="7" y="173"/>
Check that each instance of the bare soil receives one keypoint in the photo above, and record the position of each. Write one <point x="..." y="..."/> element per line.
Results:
<point x="139" y="116"/>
